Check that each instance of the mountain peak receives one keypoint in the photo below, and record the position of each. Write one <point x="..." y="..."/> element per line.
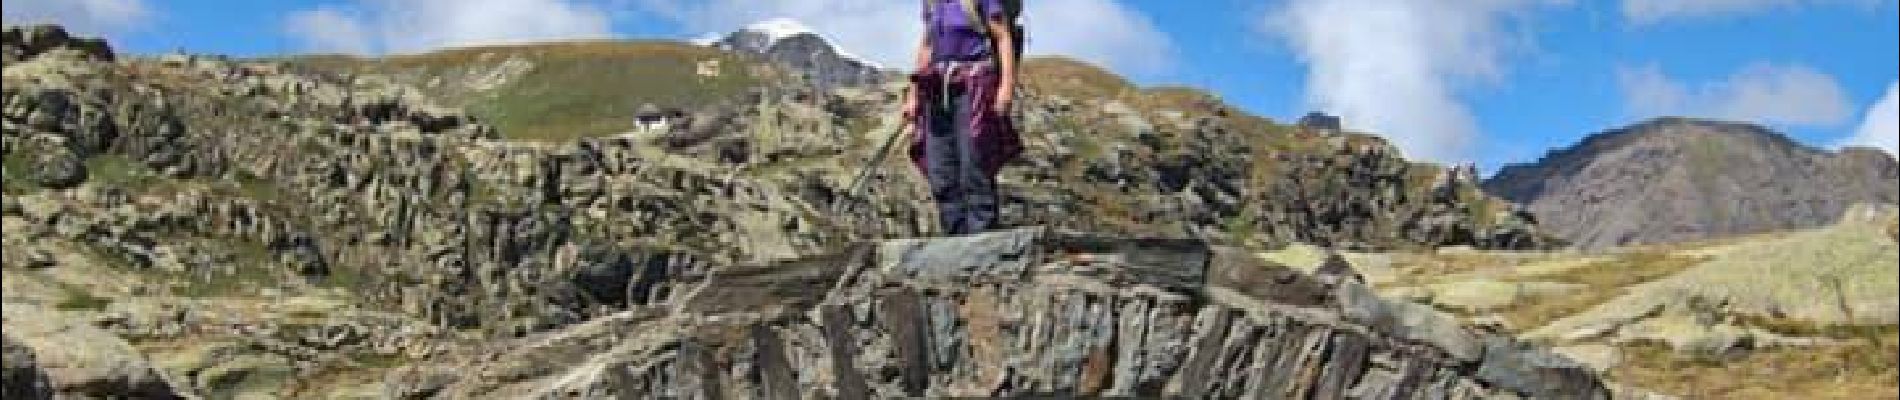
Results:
<point x="777" y="29"/>
<point x="792" y="43"/>
<point x="1676" y="179"/>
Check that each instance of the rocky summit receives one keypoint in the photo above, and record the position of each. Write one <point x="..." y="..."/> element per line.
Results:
<point x="1679" y="179"/>
<point x="790" y="43"/>
<point x="200" y="226"/>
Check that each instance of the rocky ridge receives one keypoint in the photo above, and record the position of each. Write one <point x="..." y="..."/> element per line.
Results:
<point x="1678" y="179"/>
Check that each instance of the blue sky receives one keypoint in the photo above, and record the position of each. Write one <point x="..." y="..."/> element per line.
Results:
<point x="1487" y="81"/>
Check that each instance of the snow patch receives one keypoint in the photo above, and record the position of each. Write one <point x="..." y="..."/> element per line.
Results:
<point x="780" y="28"/>
<point x="777" y="29"/>
<point x="708" y="39"/>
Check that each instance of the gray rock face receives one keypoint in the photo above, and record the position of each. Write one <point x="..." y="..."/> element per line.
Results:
<point x="23" y="42"/>
<point x="1676" y="179"/>
<point x="54" y="163"/>
<point x="1029" y="312"/>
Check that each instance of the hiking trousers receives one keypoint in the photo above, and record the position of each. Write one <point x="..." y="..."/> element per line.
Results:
<point x="964" y="191"/>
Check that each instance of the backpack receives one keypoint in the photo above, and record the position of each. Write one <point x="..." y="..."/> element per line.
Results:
<point x="1012" y="12"/>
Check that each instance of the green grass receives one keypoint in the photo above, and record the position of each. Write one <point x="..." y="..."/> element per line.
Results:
<point x="79" y="299"/>
<point x="344" y="277"/>
<point x="308" y="315"/>
<point x="1073" y="79"/>
<point x="1242" y="225"/>
<point x="257" y="188"/>
<point x="121" y="171"/>
<point x="570" y="98"/>
<point x="575" y="89"/>
<point x="379" y="361"/>
<point x="13" y="172"/>
<point x="254" y="266"/>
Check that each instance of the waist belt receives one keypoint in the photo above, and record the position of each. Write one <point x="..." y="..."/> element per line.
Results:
<point x="961" y="69"/>
<point x="956" y="74"/>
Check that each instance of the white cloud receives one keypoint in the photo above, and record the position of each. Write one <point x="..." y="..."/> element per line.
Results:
<point x="88" y="17"/>
<point x="887" y="31"/>
<point x="1761" y="92"/>
<point x="1881" y="127"/>
<point x="330" y="30"/>
<point x="403" y="26"/>
<point x="1100" y="31"/>
<point x="1642" y="12"/>
<point x="1395" y="67"/>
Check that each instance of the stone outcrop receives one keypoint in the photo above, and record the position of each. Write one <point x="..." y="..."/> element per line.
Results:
<point x="1025" y="312"/>
<point x="26" y="42"/>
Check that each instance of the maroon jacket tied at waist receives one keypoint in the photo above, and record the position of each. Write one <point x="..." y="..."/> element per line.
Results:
<point x="995" y="136"/>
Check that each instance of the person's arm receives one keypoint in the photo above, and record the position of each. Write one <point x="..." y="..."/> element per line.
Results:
<point x="1005" y="36"/>
<point x="923" y="53"/>
<point x="923" y="63"/>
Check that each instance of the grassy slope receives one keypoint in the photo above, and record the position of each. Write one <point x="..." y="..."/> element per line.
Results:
<point x="574" y="89"/>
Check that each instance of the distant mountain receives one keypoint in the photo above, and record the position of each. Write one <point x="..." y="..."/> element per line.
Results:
<point x="1679" y="179"/>
<point x="791" y="43"/>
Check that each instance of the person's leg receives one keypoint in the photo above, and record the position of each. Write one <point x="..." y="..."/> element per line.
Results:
<point x="941" y="164"/>
<point x="978" y="190"/>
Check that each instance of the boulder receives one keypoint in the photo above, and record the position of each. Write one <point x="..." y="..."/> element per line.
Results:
<point x="21" y="376"/>
<point x="80" y="360"/>
<point x="1537" y="373"/>
<point x="54" y="163"/>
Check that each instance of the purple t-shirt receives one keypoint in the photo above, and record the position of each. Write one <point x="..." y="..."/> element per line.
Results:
<point x="952" y="35"/>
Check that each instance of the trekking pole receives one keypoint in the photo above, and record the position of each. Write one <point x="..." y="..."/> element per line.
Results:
<point x="883" y="151"/>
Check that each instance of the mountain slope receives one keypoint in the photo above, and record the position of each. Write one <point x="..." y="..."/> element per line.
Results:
<point x="1676" y="179"/>
<point x="554" y="92"/>
<point x="561" y="91"/>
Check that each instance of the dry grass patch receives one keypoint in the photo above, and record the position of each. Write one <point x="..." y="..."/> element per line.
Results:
<point x="1073" y="79"/>
<point x="1181" y="98"/>
<point x="1604" y="281"/>
<point x="1426" y="269"/>
<point x="1864" y="368"/>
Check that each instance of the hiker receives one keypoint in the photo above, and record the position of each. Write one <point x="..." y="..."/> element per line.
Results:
<point x="959" y="101"/>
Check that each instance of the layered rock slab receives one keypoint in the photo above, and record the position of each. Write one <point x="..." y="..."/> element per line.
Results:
<point x="1027" y="312"/>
